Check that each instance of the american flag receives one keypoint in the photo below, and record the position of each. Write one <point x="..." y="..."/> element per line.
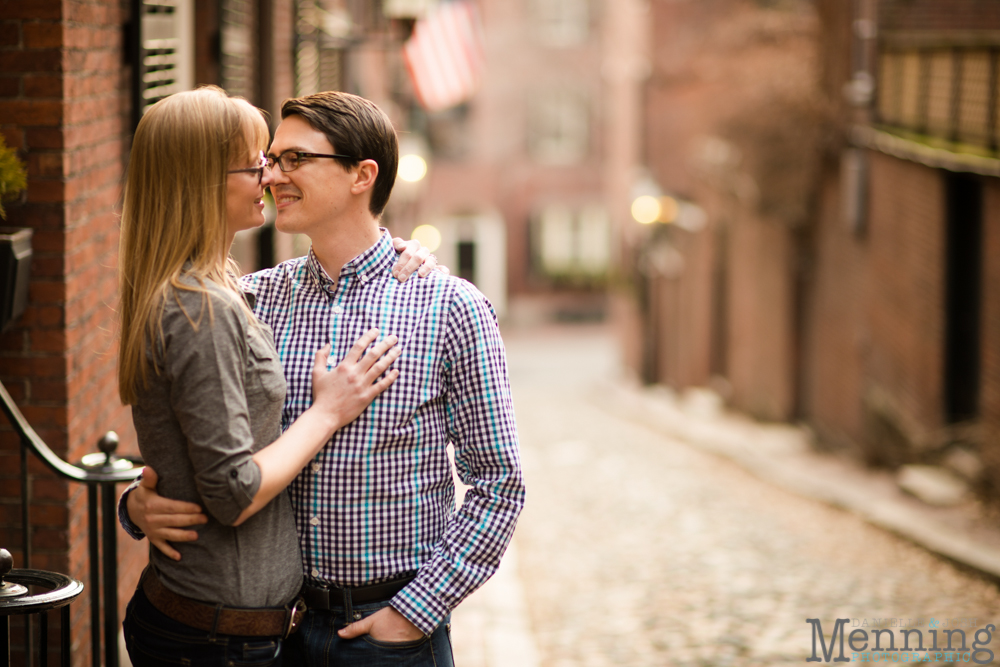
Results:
<point x="445" y="55"/>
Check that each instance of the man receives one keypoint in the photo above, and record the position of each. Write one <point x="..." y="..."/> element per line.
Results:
<point x="383" y="552"/>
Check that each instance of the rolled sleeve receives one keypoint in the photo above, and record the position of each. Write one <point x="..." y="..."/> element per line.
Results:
<point x="206" y="365"/>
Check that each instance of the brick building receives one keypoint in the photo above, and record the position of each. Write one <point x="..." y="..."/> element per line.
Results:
<point x="845" y="155"/>
<point x="69" y="93"/>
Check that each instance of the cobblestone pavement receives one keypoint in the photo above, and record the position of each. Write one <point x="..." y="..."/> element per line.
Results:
<point x="637" y="549"/>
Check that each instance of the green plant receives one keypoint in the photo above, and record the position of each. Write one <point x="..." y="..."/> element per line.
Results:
<point x="13" y="177"/>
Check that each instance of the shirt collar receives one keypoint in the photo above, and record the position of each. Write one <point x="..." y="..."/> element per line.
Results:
<point x="366" y="266"/>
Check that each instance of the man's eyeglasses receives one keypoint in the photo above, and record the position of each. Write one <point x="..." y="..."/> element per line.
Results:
<point x="259" y="170"/>
<point x="292" y="160"/>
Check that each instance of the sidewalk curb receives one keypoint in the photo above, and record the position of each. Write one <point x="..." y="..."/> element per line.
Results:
<point x="779" y="455"/>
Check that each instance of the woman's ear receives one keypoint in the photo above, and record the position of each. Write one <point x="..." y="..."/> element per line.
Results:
<point x="364" y="178"/>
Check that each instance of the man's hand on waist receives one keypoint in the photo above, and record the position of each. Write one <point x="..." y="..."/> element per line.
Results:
<point x="162" y="519"/>
<point x="385" y="625"/>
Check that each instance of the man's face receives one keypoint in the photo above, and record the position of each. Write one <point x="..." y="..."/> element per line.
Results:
<point x="310" y="198"/>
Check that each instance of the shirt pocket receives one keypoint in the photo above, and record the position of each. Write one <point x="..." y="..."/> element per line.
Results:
<point x="264" y="375"/>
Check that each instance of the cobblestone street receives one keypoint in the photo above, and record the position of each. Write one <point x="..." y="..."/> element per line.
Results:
<point x="636" y="549"/>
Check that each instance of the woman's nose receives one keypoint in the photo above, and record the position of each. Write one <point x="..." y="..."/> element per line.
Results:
<point x="267" y="176"/>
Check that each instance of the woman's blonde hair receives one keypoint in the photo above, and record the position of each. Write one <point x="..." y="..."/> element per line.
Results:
<point x="174" y="214"/>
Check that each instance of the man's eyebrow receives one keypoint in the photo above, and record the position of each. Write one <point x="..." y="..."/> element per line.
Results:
<point x="293" y="149"/>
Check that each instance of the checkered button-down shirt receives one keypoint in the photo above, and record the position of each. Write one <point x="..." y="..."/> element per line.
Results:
<point x="378" y="500"/>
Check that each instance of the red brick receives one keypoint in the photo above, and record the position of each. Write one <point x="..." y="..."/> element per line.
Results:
<point x="42" y="35"/>
<point x="10" y="33"/>
<point x="11" y="485"/>
<point x="45" y="165"/>
<point x="13" y="340"/>
<point x="13" y="137"/>
<point x="17" y="390"/>
<point x="42" y="85"/>
<point x="47" y="292"/>
<point x="47" y="267"/>
<point x="34" y="367"/>
<point x="49" y="515"/>
<point x="46" y="191"/>
<point x="30" y="61"/>
<point x="31" y="9"/>
<point x="10" y="86"/>
<point x="42" y="390"/>
<point x="48" y="340"/>
<point x="31" y="112"/>
<point x="38" y="137"/>
<point x="44" y="416"/>
<point x="46" y="316"/>
<point x="46" y="538"/>
<point x="50" y="489"/>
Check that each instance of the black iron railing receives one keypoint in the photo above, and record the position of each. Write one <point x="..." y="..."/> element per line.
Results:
<point x="100" y="472"/>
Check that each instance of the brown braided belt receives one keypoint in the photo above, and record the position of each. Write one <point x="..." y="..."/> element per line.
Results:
<point x="219" y="619"/>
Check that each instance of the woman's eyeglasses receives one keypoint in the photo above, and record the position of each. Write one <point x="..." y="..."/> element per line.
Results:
<point x="263" y="163"/>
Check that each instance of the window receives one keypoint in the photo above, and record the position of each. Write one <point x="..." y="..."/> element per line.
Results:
<point x="167" y="49"/>
<point x="943" y="91"/>
<point x="572" y="243"/>
<point x="560" y="23"/>
<point x="558" y="127"/>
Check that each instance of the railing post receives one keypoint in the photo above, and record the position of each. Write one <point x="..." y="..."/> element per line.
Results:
<point x="99" y="469"/>
<point x="109" y="517"/>
<point x="26" y="546"/>
<point x="95" y="576"/>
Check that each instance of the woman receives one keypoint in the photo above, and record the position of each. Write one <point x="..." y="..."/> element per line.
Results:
<point x="206" y="388"/>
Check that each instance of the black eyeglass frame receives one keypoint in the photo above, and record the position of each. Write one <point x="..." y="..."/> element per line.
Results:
<point x="299" y="155"/>
<point x="259" y="170"/>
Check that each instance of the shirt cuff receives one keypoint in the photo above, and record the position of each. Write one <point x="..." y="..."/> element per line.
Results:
<point x="123" y="518"/>
<point x="420" y="606"/>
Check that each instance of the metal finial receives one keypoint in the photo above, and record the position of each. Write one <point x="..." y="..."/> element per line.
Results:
<point x="108" y="444"/>
<point x="8" y="589"/>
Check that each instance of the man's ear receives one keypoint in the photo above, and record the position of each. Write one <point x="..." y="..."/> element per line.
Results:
<point x="364" y="177"/>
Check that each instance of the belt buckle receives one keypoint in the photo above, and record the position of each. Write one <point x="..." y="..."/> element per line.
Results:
<point x="295" y="615"/>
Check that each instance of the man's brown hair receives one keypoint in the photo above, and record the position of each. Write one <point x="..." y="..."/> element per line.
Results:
<point x="354" y="126"/>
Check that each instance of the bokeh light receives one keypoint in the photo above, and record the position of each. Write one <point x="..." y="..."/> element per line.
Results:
<point x="646" y="209"/>
<point x="412" y="168"/>
<point x="428" y="235"/>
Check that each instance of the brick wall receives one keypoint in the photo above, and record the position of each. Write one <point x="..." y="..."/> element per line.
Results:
<point x="834" y="333"/>
<point x="718" y="67"/>
<point x="905" y="283"/>
<point x="989" y="396"/>
<point x="64" y="106"/>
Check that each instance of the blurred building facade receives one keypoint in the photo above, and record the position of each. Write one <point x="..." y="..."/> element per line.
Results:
<point x="528" y="181"/>
<point x="845" y="155"/>
<point x="544" y="152"/>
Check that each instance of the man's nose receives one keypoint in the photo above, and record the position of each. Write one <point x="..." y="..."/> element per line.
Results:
<point x="275" y="175"/>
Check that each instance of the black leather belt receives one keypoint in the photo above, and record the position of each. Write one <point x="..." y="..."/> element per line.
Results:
<point x="325" y="596"/>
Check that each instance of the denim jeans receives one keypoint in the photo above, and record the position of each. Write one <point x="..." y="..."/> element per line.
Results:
<point x="317" y="644"/>
<point x="156" y="640"/>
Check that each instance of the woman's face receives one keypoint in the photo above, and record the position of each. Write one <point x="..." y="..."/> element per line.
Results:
<point x="245" y="185"/>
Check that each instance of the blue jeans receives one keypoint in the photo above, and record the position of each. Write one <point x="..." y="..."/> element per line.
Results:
<point x="317" y="644"/>
<point x="156" y="640"/>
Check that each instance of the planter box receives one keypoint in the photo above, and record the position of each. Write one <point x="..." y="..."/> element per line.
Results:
<point x="15" y="269"/>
